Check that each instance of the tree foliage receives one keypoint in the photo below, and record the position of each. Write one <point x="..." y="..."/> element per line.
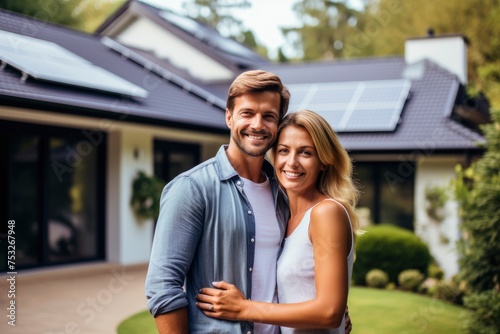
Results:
<point x="478" y="191"/>
<point x="331" y="30"/>
<point x="84" y="15"/>
<point x="218" y="14"/>
<point x="326" y="25"/>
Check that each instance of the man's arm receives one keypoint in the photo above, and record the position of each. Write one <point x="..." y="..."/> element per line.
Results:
<point x="175" y="322"/>
<point x="177" y="234"/>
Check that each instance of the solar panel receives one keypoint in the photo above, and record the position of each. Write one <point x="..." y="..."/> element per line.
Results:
<point x="354" y="106"/>
<point x="205" y="34"/>
<point x="49" y="61"/>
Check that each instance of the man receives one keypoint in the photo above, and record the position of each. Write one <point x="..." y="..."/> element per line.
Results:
<point x="223" y="219"/>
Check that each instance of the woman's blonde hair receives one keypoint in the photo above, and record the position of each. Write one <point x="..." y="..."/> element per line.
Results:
<point x="336" y="180"/>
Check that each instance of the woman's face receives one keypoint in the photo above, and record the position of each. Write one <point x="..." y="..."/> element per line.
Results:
<point x="296" y="161"/>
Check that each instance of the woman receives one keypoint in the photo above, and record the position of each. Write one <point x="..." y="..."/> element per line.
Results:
<point x="314" y="269"/>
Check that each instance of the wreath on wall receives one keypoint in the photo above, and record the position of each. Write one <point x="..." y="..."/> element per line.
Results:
<point x="146" y="192"/>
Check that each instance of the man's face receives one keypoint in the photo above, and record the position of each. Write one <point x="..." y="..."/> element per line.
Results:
<point x="254" y="122"/>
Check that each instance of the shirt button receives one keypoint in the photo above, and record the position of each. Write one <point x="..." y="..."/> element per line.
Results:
<point x="249" y="332"/>
<point x="238" y="183"/>
<point x="252" y="240"/>
<point x="250" y="269"/>
<point x="249" y="212"/>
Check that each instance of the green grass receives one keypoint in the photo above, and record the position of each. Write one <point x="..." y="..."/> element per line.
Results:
<point x="372" y="311"/>
<point x="375" y="311"/>
<point x="140" y="323"/>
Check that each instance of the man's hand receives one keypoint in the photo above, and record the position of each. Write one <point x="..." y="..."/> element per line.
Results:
<point x="348" y="324"/>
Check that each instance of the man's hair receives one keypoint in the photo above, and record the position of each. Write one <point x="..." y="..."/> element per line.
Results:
<point x="257" y="81"/>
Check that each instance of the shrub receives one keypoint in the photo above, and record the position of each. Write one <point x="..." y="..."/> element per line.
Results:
<point x="377" y="278"/>
<point x="449" y="291"/>
<point x="434" y="271"/>
<point x="429" y="286"/>
<point x="478" y="191"/>
<point x="391" y="249"/>
<point x="410" y="279"/>
<point x="486" y="307"/>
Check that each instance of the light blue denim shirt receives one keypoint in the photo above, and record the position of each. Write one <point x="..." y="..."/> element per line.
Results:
<point x="205" y="233"/>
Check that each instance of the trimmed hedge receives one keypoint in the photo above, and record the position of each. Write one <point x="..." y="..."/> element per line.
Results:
<point x="391" y="249"/>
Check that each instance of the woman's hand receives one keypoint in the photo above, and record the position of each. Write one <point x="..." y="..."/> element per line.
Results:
<point x="224" y="302"/>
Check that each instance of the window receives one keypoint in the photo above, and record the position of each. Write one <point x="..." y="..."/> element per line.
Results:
<point x="53" y="181"/>
<point x="387" y="192"/>
<point x="172" y="158"/>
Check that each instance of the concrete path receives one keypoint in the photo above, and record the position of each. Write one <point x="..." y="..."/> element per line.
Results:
<point x="81" y="299"/>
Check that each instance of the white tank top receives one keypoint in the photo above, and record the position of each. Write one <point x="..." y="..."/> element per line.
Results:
<point x="295" y="275"/>
<point x="267" y="245"/>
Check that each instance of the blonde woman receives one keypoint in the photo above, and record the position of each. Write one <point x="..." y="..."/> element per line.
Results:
<point x="315" y="266"/>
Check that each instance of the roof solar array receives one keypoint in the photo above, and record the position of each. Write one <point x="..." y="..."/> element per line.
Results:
<point x="199" y="31"/>
<point x="354" y="106"/>
<point x="49" y="61"/>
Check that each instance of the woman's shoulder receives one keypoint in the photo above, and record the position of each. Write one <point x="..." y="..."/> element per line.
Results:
<point x="327" y="210"/>
<point x="329" y="205"/>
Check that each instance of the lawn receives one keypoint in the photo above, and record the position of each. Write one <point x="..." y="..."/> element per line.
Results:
<point x="372" y="312"/>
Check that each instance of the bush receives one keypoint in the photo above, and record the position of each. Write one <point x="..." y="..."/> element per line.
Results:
<point x="449" y="291"/>
<point x="486" y="307"/>
<point x="377" y="278"/>
<point x="477" y="189"/>
<point x="429" y="286"/>
<point x="410" y="279"/>
<point x="434" y="271"/>
<point x="391" y="249"/>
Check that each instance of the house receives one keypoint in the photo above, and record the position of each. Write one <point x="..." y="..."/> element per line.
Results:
<point x="74" y="146"/>
<point x="78" y="121"/>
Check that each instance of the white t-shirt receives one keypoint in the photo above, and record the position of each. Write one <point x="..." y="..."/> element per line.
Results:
<point x="295" y="277"/>
<point x="267" y="244"/>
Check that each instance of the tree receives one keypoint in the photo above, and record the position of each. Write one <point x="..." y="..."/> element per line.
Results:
<point x="84" y="15"/>
<point x="478" y="192"/>
<point x="388" y="23"/>
<point x="326" y="24"/>
<point x="218" y="14"/>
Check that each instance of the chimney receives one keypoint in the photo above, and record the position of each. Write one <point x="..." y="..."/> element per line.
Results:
<point x="447" y="51"/>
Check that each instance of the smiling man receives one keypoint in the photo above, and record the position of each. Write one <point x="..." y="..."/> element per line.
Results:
<point x="223" y="219"/>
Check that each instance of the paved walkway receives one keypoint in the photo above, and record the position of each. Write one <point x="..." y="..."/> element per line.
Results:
<point x="82" y="299"/>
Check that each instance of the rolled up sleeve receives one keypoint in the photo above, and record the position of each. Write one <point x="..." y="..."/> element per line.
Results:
<point x="178" y="231"/>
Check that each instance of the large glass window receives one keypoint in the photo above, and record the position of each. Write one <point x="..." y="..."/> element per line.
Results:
<point x="52" y="179"/>
<point x="387" y="192"/>
<point x="173" y="158"/>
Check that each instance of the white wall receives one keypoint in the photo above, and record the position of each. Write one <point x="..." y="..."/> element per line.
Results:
<point x="435" y="171"/>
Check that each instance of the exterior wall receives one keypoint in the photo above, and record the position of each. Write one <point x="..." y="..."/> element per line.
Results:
<point x="441" y="236"/>
<point x="130" y="149"/>
<point x="147" y="35"/>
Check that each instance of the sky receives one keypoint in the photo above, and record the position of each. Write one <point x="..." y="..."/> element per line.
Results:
<point x="264" y="18"/>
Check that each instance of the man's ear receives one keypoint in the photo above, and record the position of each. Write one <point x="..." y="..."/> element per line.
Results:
<point x="229" y="119"/>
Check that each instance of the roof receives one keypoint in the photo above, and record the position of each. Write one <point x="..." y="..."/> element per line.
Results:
<point x="167" y="102"/>
<point x="425" y="125"/>
<point x="232" y="54"/>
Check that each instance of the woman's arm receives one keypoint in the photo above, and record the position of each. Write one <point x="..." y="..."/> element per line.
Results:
<point x="330" y="234"/>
